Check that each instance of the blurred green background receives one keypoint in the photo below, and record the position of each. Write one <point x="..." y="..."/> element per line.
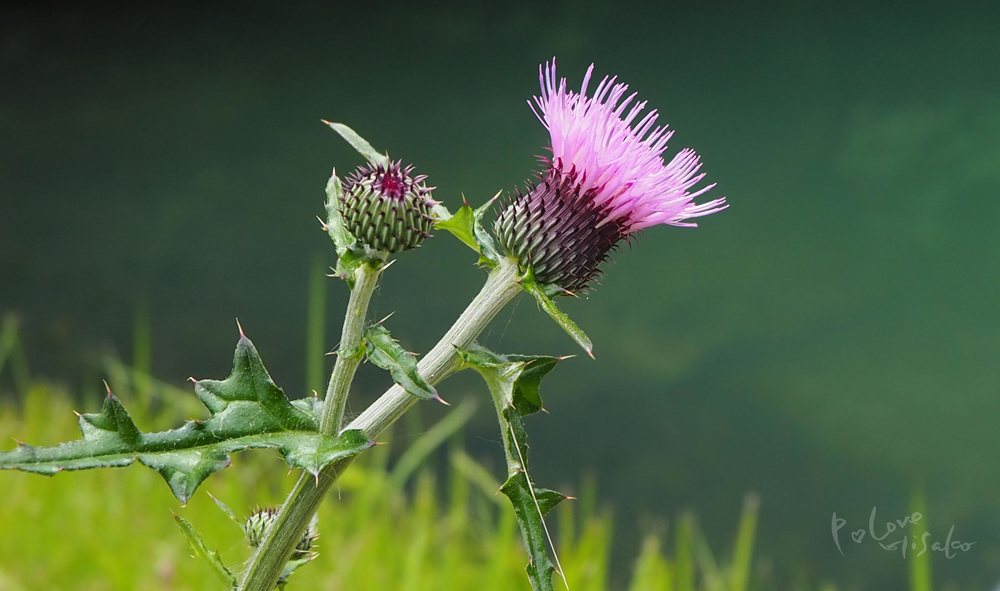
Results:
<point x="829" y="342"/>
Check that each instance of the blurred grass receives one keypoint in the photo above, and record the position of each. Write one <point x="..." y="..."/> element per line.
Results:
<point x="388" y="525"/>
<point x="398" y="527"/>
<point x="316" y="324"/>
<point x="920" y="561"/>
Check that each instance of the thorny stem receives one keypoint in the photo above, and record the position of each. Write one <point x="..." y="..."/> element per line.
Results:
<point x="304" y="499"/>
<point x="351" y="349"/>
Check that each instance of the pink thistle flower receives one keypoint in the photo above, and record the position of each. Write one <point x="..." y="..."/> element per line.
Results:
<point x="606" y="180"/>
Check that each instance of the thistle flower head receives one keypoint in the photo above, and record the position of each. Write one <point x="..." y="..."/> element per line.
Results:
<point x="606" y="179"/>
<point x="385" y="208"/>
<point x="262" y="519"/>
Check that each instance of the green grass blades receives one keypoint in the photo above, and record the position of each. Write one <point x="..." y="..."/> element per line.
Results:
<point x="112" y="529"/>
<point x="247" y="411"/>
<point x="920" y="558"/>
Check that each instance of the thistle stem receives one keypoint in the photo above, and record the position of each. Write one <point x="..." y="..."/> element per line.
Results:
<point x="304" y="499"/>
<point x="351" y="350"/>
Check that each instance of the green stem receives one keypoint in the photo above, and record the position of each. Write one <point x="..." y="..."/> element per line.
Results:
<point x="304" y="499"/>
<point x="351" y="350"/>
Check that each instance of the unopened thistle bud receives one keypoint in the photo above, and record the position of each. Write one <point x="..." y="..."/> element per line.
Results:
<point x="605" y="181"/>
<point x="385" y="209"/>
<point x="262" y="519"/>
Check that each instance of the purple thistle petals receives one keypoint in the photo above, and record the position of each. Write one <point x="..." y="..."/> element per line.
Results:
<point x="606" y="179"/>
<point x="594" y="136"/>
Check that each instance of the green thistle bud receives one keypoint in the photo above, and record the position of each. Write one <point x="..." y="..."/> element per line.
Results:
<point x="385" y="209"/>
<point x="262" y="519"/>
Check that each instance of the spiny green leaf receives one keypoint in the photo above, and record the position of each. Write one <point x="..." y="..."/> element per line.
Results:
<point x="291" y="566"/>
<point x="247" y="411"/>
<point x="461" y="224"/>
<point x="249" y="390"/>
<point x="548" y="499"/>
<point x="530" y="519"/>
<point x="530" y="504"/>
<point x="350" y="254"/>
<point x="225" y="509"/>
<point x="513" y="381"/>
<point x="360" y="144"/>
<point x="211" y="557"/>
<point x="441" y="213"/>
<point x="386" y="353"/>
<point x="342" y="239"/>
<point x="527" y="398"/>
<point x="522" y="374"/>
<point x="488" y="253"/>
<point x="313" y="453"/>
<point x="467" y="225"/>
<point x="543" y="293"/>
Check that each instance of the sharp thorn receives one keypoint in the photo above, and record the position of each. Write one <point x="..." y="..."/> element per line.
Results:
<point x="240" y="326"/>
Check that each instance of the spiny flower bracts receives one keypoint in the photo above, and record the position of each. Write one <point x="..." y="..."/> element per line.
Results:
<point x="555" y="227"/>
<point x="386" y="209"/>
<point x="262" y="519"/>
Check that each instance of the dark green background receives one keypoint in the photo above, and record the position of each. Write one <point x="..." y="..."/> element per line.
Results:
<point x="830" y="341"/>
